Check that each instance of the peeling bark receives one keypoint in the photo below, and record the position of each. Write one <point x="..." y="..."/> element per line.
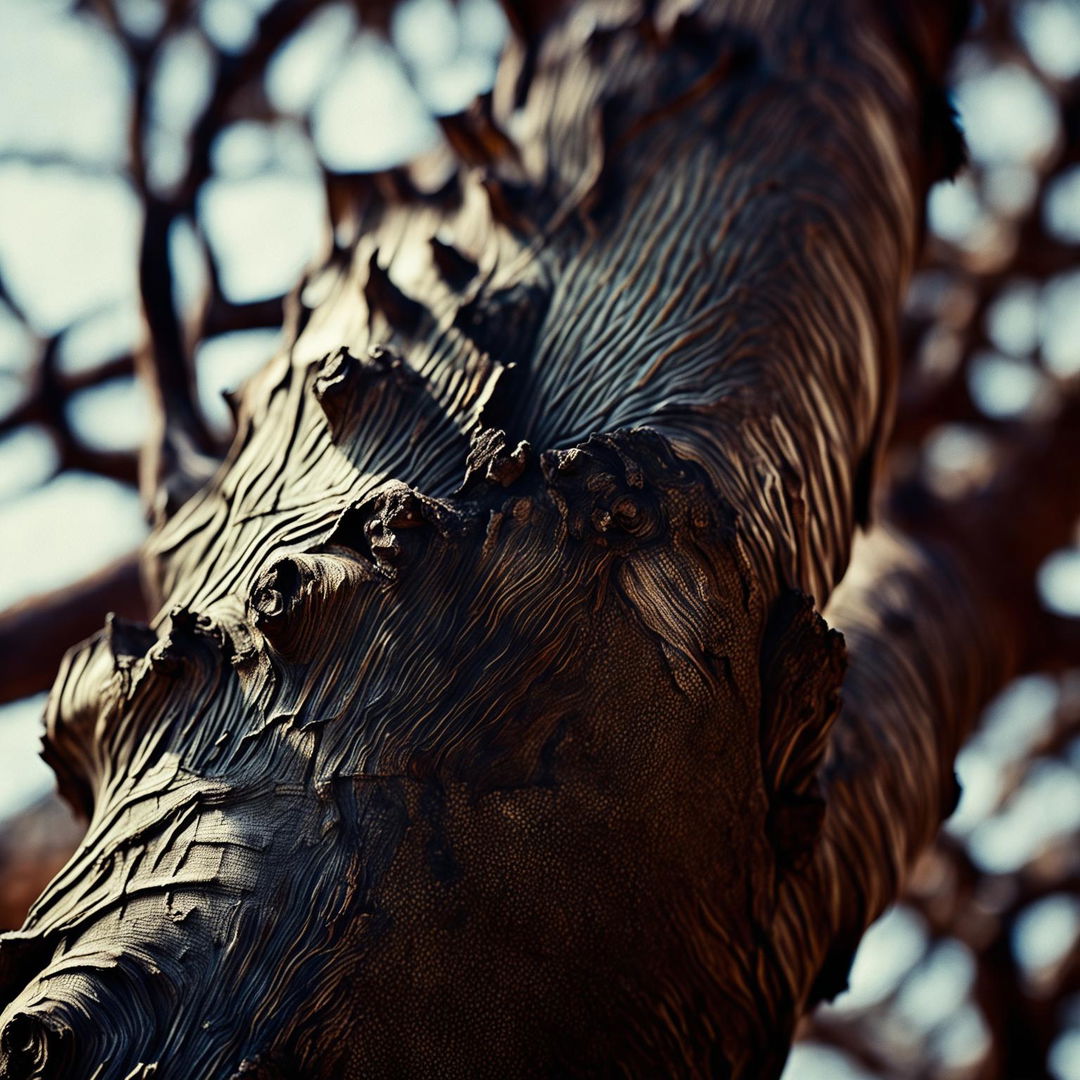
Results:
<point x="488" y="726"/>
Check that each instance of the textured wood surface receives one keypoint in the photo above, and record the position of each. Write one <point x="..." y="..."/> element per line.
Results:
<point x="488" y="726"/>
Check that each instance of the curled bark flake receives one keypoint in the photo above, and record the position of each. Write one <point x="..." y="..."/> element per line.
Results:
<point x="182" y="642"/>
<point x="335" y="385"/>
<point x="456" y="268"/>
<point x="89" y="684"/>
<point x="232" y="401"/>
<point x="344" y="382"/>
<point x="401" y="312"/>
<point x="505" y="322"/>
<point x="612" y="488"/>
<point x="492" y="461"/>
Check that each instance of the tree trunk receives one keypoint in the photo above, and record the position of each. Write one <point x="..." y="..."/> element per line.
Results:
<point x="488" y="727"/>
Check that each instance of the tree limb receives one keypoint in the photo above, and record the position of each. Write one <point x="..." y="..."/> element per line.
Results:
<point x="35" y="634"/>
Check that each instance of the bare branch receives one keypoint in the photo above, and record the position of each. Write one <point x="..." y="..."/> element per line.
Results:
<point x="35" y="634"/>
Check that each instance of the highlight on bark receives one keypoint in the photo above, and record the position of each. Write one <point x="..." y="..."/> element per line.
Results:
<point x="489" y="723"/>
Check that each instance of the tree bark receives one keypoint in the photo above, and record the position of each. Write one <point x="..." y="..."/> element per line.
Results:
<point x="35" y="633"/>
<point x="488" y="726"/>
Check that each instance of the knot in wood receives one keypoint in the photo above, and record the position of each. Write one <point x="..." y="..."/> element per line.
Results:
<point x="617" y="489"/>
<point x="274" y="596"/>
<point x="297" y="598"/>
<point x="30" y="1044"/>
<point x="338" y="371"/>
<point x="397" y="521"/>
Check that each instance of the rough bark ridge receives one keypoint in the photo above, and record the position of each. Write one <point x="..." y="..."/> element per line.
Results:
<point x="488" y="727"/>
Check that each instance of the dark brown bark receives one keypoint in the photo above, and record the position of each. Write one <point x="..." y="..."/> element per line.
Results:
<point x="487" y="726"/>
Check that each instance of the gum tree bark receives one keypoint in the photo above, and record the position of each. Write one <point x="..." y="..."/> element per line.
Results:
<point x="488" y="726"/>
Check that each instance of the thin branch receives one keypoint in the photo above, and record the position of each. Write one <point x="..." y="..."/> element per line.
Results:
<point x="35" y="634"/>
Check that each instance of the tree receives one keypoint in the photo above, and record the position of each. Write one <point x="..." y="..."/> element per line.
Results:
<point x="489" y="725"/>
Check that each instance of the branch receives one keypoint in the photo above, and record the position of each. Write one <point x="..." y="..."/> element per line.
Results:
<point x="927" y="648"/>
<point x="34" y="844"/>
<point x="35" y="634"/>
<point x="178" y="453"/>
<point x="933" y="630"/>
